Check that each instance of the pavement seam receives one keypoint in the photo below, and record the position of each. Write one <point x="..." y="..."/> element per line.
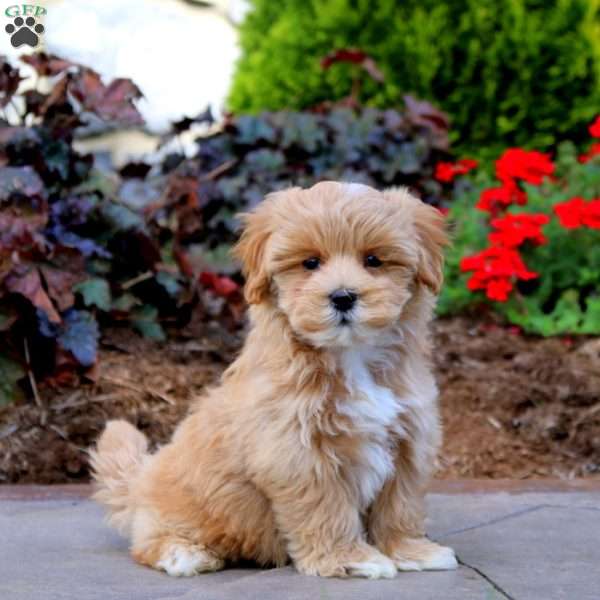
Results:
<point x="492" y="521"/>
<point x="479" y="572"/>
<point x="568" y="507"/>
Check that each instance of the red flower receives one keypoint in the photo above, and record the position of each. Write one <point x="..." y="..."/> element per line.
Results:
<point x="498" y="289"/>
<point x="594" y="128"/>
<point x="494" y="198"/>
<point x="570" y="213"/>
<point x="517" y="163"/>
<point x="221" y="285"/>
<point x="497" y="261"/>
<point x="467" y="164"/>
<point x="447" y="171"/>
<point x="495" y="269"/>
<point x="444" y="171"/>
<point x="513" y="230"/>
<point x="577" y="213"/>
<point x="587" y="156"/>
<point x="591" y="214"/>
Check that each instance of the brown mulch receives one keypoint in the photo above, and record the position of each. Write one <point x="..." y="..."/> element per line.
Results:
<point x="513" y="406"/>
<point x="516" y="406"/>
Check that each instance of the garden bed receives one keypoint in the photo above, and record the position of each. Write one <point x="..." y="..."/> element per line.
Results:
<point x="513" y="406"/>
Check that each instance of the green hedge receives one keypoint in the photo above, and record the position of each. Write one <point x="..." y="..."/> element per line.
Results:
<point x="515" y="72"/>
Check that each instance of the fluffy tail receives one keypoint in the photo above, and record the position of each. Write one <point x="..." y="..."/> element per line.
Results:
<point x="119" y="455"/>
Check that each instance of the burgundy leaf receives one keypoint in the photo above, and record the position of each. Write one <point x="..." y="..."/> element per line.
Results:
<point x="29" y="285"/>
<point x="60" y="284"/>
<point x="356" y="57"/>
<point x="18" y="230"/>
<point x="112" y="103"/>
<point x="47" y="65"/>
<point x="9" y="81"/>
<point x="424" y="114"/>
<point x="349" y="55"/>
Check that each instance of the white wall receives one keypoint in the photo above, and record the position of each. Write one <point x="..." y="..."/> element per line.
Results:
<point x="180" y="56"/>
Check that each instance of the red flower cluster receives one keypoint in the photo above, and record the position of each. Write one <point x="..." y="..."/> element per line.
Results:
<point x="447" y="171"/>
<point x="494" y="198"/>
<point x="594" y="128"/>
<point x="587" y="156"/>
<point x="495" y="269"/>
<point x="517" y="163"/>
<point x="513" y="166"/>
<point x="514" y="230"/>
<point x="578" y="213"/>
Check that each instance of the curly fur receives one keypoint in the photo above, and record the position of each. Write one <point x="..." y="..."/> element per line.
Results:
<point x="318" y="443"/>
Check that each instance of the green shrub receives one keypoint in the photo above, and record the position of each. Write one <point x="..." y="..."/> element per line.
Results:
<point x="518" y="72"/>
<point x="564" y="295"/>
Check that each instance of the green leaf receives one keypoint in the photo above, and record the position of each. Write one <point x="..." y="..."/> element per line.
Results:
<point x="10" y="373"/>
<point x="122" y="218"/>
<point x="125" y="302"/>
<point x="591" y="322"/>
<point x="99" y="181"/>
<point x="144" y="320"/>
<point x="95" y="292"/>
<point x="171" y="283"/>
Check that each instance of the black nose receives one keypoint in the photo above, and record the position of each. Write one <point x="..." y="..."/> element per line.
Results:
<point x="343" y="300"/>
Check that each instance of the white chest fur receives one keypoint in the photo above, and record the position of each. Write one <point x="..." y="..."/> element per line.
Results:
<point x="373" y="410"/>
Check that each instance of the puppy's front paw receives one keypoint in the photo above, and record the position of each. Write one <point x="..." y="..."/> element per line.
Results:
<point x="362" y="561"/>
<point x="419" y="554"/>
<point x="183" y="560"/>
<point x="379" y="567"/>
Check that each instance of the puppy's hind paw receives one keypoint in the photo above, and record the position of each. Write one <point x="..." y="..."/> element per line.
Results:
<point x="182" y="560"/>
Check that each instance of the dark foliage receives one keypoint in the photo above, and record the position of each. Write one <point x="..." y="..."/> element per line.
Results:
<point x="74" y="254"/>
<point x="81" y="247"/>
<point x="253" y="155"/>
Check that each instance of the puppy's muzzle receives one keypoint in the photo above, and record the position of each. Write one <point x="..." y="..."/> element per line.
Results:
<point x="343" y="300"/>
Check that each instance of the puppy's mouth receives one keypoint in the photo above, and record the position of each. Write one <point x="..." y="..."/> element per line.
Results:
<point x="345" y="320"/>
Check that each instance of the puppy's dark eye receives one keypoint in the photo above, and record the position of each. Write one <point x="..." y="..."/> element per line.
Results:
<point x="372" y="261"/>
<point x="311" y="263"/>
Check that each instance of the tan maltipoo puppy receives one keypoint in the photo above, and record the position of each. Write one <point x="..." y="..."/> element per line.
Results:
<point x="321" y="437"/>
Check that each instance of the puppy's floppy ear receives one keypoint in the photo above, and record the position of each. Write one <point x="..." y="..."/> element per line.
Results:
<point x="430" y="225"/>
<point x="250" y="251"/>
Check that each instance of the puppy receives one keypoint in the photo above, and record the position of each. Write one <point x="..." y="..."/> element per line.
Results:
<point x="318" y="443"/>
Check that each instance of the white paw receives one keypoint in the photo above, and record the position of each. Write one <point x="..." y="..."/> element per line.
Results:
<point x="443" y="559"/>
<point x="408" y="565"/>
<point x="379" y="567"/>
<point x="179" y="560"/>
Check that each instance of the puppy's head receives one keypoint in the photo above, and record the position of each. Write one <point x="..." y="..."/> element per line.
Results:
<point x="342" y="261"/>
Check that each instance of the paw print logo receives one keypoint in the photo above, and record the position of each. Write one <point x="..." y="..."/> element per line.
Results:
<point x="24" y="31"/>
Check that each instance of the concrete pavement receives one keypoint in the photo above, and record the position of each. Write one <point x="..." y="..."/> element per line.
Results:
<point x="517" y="541"/>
